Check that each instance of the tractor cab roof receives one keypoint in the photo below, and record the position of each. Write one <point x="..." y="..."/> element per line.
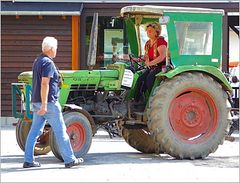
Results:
<point x="160" y="10"/>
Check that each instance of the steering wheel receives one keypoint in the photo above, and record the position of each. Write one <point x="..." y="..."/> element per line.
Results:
<point x="134" y="61"/>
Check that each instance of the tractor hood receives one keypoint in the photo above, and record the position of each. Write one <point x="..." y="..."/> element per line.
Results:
<point x="108" y="79"/>
<point x="26" y="77"/>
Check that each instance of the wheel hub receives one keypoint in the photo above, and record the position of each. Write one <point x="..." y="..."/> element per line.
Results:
<point x="76" y="134"/>
<point x="73" y="136"/>
<point x="190" y="116"/>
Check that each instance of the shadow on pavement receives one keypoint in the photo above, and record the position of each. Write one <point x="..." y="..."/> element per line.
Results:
<point x="115" y="158"/>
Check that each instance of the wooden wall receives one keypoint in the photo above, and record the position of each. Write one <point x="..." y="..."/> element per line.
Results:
<point x="21" y="42"/>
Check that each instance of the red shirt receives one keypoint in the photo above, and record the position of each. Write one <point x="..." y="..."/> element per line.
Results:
<point x="150" y="49"/>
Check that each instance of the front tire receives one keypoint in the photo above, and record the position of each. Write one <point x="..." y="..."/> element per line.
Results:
<point x="80" y="134"/>
<point x="188" y="115"/>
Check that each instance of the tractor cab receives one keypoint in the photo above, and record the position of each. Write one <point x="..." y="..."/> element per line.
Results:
<point x="193" y="34"/>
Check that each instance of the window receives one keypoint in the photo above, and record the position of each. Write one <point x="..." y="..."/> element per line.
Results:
<point x="194" y="38"/>
<point x="112" y="41"/>
<point x="113" y="45"/>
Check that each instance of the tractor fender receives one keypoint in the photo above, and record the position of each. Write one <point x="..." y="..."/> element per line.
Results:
<point x="210" y="70"/>
<point x="73" y="107"/>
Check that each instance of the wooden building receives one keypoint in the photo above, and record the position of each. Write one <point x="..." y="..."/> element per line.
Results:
<point x="24" y="23"/>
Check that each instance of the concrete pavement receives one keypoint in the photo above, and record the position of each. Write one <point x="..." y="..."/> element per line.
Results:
<point x="113" y="160"/>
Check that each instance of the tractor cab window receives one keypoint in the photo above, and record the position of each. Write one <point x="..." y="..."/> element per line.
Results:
<point x="144" y="38"/>
<point x="194" y="38"/>
<point x="112" y="42"/>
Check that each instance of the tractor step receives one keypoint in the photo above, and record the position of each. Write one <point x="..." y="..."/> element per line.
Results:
<point x="140" y="116"/>
<point x="134" y="124"/>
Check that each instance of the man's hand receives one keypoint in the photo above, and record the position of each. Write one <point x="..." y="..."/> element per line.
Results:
<point x="42" y="110"/>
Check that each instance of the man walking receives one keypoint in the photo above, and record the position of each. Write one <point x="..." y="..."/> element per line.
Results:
<point x="45" y="94"/>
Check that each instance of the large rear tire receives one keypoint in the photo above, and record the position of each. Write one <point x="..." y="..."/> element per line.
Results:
<point x="141" y="140"/>
<point x="80" y="134"/>
<point x="188" y="115"/>
<point x="42" y="146"/>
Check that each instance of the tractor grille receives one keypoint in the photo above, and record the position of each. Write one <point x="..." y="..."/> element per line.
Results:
<point x="84" y="87"/>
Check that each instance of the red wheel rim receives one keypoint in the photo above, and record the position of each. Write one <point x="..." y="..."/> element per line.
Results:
<point x="193" y="115"/>
<point x="77" y="135"/>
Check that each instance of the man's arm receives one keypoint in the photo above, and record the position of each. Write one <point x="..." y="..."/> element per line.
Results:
<point x="44" y="95"/>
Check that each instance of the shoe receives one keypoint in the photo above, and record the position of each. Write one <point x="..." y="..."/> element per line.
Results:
<point x="30" y="165"/>
<point x="77" y="162"/>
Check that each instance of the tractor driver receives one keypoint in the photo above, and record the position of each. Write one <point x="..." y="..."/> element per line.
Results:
<point x="155" y="59"/>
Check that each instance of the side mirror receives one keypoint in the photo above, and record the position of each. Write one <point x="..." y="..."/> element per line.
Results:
<point x="163" y="20"/>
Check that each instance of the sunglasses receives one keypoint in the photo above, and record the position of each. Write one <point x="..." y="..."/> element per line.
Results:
<point x="152" y="25"/>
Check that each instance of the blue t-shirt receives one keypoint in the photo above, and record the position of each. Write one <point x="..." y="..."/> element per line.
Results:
<point x="43" y="66"/>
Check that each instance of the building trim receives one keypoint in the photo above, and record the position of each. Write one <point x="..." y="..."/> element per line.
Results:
<point x="127" y="1"/>
<point x="33" y="13"/>
<point x="62" y="9"/>
<point x="75" y="42"/>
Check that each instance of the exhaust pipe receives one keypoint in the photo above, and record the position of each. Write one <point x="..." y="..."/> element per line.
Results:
<point x="92" y="52"/>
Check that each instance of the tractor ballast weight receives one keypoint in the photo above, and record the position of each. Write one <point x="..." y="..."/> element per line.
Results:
<point x="186" y="111"/>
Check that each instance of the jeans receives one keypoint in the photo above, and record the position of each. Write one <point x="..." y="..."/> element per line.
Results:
<point x="55" y="119"/>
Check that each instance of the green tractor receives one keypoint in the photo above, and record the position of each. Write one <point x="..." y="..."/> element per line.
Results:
<point x="186" y="115"/>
